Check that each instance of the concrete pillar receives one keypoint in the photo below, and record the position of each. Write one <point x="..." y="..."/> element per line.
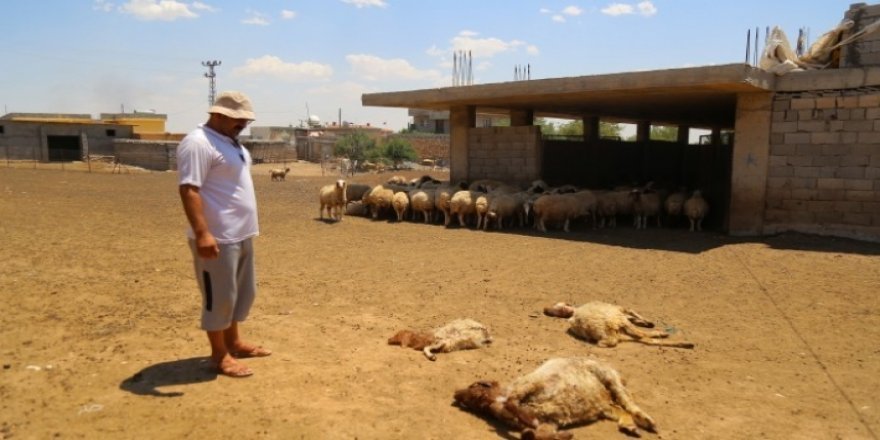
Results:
<point x="519" y="118"/>
<point x="751" y="150"/>
<point x="461" y="120"/>
<point x="643" y="131"/>
<point x="683" y="135"/>
<point x="591" y="128"/>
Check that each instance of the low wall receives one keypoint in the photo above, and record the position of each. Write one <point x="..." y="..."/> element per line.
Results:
<point x="824" y="164"/>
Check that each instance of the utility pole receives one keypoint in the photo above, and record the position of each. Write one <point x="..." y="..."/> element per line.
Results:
<point x="210" y="75"/>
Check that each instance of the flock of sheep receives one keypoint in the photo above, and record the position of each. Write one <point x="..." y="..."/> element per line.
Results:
<point x="491" y="203"/>
<point x="562" y="392"/>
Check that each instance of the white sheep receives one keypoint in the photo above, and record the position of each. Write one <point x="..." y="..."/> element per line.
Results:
<point x="332" y="197"/>
<point x="561" y="392"/>
<point x="603" y="324"/>
<point x="696" y="208"/>
<point x="645" y="203"/>
<point x="481" y="209"/>
<point x="397" y="180"/>
<point x="463" y="204"/>
<point x="400" y="203"/>
<point x="674" y="204"/>
<point x="378" y="199"/>
<point x="502" y="206"/>
<point x="422" y="201"/>
<point x="460" y="334"/>
<point x="279" y="174"/>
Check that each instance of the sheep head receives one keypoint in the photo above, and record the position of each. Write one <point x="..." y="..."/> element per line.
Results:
<point x="487" y="397"/>
<point x="560" y="310"/>
<point x="411" y="338"/>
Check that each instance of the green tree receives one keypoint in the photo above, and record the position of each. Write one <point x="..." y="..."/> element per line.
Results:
<point x="355" y="146"/>
<point x="664" y="133"/>
<point x="572" y="128"/>
<point x="547" y="127"/>
<point x="608" y="130"/>
<point x="398" y="150"/>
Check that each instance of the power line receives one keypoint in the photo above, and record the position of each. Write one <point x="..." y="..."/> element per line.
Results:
<point x="210" y="75"/>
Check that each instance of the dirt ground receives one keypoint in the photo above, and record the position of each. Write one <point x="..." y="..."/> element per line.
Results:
<point x="100" y="336"/>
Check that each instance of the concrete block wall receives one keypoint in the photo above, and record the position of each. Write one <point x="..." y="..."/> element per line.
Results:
<point x="824" y="164"/>
<point x="508" y="154"/>
<point x="866" y="50"/>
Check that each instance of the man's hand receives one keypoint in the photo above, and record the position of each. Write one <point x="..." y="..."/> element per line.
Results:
<point x="207" y="247"/>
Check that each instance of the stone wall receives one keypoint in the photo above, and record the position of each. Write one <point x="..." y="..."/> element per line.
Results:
<point x="509" y="154"/>
<point x="824" y="164"/>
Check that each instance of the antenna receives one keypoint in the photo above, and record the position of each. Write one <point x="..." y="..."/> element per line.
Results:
<point x="210" y="75"/>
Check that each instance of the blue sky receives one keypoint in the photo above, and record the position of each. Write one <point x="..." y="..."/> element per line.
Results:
<point x="94" y="56"/>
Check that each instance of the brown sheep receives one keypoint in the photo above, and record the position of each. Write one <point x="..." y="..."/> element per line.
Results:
<point x="561" y="392"/>
<point x="279" y="174"/>
<point x="460" y="334"/>
<point x="603" y="323"/>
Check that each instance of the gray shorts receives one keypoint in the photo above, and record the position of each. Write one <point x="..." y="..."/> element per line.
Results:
<point x="227" y="283"/>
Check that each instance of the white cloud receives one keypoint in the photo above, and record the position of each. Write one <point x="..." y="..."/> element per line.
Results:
<point x="272" y="66"/>
<point x="166" y="10"/>
<point x="573" y="11"/>
<point x="203" y="7"/>
<point x="616" y="9"/>
<point x="545" y="11"/>
<point x="558" y="18"/>
<point x="647" y="8"/>
<point x="373" y="68"/>
<point x="531" y="49"/>
<point x="287" y="15"/>
<point x="256" y="18"/>
<point x="102" y="5"/>
<point x="366" y="3"/>
<point x="483" y="47"/>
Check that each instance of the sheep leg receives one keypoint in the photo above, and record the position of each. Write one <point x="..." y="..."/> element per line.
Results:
<point x="692" y="224"/>
<point x="650" y="337"/>
<point x="613" y="383"/>
<point x="429" y="350"/>
<point x="700" y="224"/>
<point x="637" y="319"/>
<point x="565" y="225"/>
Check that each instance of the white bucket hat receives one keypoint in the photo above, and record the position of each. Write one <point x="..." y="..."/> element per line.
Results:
<point x="234" y="105"/>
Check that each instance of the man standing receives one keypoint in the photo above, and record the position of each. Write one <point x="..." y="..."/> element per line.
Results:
<point x="218" y="197"/>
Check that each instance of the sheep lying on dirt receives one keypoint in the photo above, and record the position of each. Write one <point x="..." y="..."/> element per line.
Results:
<point x="333" y="197"/>
<point x="603" y="323"/>
<point x="561" y="392"/>
<point x="279" y="174"/>
<point x="460" y="334"/>
<point x="696" y="208"/>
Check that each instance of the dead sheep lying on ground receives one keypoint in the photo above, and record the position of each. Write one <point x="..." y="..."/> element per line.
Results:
<point x="332" y="197"/>
<point x="279" y="174"/>
<point x="460" y="334"/>
<point x="602" y="323"/>
<point x="561" y="392"/>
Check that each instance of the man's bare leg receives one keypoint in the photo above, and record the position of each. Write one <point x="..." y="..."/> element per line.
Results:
<point x="237" y="347"/>
<point x="221" y="357"/>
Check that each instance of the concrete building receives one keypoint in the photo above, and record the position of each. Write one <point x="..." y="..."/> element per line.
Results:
<point x="805" y="151"/>
<point x="46" y="137"/>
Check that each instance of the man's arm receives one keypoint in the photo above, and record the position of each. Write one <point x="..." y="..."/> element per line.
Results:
<point x="206" y="244"/>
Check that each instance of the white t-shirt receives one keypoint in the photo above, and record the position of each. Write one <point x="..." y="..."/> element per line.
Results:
<point x="220" y="167"/>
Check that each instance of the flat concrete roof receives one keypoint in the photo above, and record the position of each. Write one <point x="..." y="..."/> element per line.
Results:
<point x="696" y="96"/>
